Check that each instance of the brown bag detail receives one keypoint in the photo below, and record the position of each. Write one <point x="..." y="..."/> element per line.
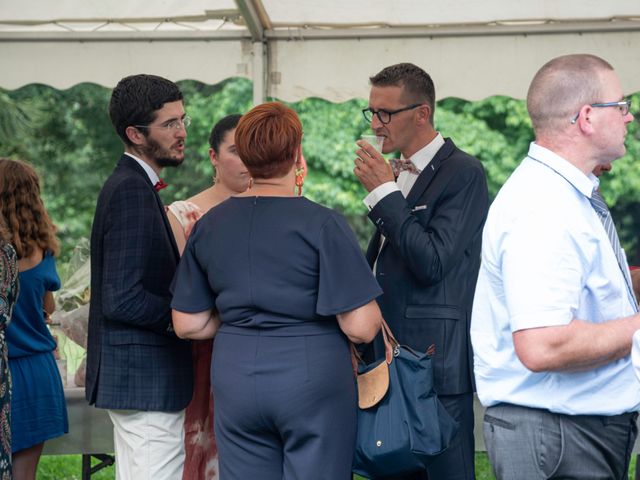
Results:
<point x="373" y="385"/>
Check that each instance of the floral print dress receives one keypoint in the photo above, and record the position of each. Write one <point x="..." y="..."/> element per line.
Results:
<point x="201" y="451"/>
<point x="8" y="295"/>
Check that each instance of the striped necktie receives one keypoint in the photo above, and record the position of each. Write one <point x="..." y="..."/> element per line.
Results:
<point x="597" y="202"/>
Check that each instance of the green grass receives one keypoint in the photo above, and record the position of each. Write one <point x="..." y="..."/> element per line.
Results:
<point x="69" y="467"/>
<point x="483" y="468"/>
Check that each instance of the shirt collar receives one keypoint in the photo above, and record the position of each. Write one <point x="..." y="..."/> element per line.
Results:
<point x="153" y="176"/>
<point x="423" y="157"/>
<point x="585" y="184"/>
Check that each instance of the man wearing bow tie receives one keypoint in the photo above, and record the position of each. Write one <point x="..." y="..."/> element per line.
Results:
<point x="428" y="209"/>
<point x="137" y="367"/>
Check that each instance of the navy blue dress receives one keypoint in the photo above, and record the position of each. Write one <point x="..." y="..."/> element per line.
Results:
<point x="278" y="270"/>
<point x="38" y="408"/>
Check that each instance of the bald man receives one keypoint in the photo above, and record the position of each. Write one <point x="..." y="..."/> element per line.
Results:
<point x="554" y="312"/>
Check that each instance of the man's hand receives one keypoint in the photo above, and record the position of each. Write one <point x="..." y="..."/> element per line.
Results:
<point x="192" y="217"/>
<point x="370" y="167"/>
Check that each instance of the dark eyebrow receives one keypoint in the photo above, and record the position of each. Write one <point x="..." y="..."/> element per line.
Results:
<point x="174" y="119"/>
<point x="373" y="110"/>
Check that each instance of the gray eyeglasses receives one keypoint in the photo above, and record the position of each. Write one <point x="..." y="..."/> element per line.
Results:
<point x="172" y="125"/>
<point x="623" y="105"/>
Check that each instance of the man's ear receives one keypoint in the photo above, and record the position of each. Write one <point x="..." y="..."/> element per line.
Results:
<point x="423" y="114"/>
<point x="584" y="120"/>
<point x="134" y="135"/>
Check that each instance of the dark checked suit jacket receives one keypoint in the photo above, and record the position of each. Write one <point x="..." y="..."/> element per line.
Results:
<point x="134" y="360"/>
<point x="429" y="263"/>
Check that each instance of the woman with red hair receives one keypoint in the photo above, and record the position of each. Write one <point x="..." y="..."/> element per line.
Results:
<point x="284" y="284"/>
<point x="231" y="176"/>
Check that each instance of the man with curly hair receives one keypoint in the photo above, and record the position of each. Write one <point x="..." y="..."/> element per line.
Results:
<point x="136" y="366"/>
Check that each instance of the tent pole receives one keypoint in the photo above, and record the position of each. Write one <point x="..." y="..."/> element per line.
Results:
<point x="259" y="73"/>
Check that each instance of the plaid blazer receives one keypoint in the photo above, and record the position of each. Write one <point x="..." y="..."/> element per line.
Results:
<point x="134" y="360"/>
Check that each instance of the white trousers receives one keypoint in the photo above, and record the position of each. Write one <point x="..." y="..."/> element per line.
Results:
<point x="148" y="445"/>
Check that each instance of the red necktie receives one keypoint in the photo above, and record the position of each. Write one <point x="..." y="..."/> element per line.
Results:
<point x="160" y="185"/>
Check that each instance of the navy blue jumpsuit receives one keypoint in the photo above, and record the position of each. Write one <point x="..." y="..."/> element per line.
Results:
<point x="278" y="270"/>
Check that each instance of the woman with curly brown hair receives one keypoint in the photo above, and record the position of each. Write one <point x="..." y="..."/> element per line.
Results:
<point x="38" y="410"/>
<point x="8" y="295"/>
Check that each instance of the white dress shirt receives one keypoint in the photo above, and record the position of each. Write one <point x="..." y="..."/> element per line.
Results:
<point x="406" y="180"/>
<point x="546" y="260"/>
<point x="153" y="176"/>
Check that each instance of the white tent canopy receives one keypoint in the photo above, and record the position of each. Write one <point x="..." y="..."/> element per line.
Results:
<point x="293" y="49"/>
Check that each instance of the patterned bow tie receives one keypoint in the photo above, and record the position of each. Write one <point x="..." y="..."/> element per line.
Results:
<point x="160" y="185"/>
<point x="401" y="164"/>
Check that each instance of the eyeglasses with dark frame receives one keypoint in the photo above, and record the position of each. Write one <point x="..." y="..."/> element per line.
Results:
<point x="623" y="105"/>
<point x="385" y="115"/>
<point x="172" y="125"/>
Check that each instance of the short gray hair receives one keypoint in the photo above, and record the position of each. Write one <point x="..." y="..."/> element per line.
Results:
<point x="561" y="87"/>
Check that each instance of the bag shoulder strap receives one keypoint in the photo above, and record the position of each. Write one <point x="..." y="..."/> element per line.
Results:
<point x="390" y="345"/>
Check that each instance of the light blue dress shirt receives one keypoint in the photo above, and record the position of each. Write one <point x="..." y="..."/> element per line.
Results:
<point x="546" y="260"/>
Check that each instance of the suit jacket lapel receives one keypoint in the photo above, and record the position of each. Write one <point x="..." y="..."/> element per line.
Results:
<point x="422" y="182"/>
<point x="127" y="161"/>
<point x="167" y="226"/>
<point x="428" y="174"/>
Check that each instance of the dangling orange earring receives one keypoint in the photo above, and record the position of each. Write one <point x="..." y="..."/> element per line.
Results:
<point x="299" y="180"/>
<point x="250" y="183"/>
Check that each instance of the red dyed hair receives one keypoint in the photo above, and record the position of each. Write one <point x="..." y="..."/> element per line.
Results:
<point x="268" y="140"/>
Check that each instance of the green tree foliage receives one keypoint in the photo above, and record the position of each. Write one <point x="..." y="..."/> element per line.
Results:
<point x="206" y="104"/>
<point x="14" y="120"/>
<point x="496" y="130"/>
<point x="330" y="133"/>
<point x="621" y="190"/>
<point x="67" y="135"/>
<point x="68" y="138"/>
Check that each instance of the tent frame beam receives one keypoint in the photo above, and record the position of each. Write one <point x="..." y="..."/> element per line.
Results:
<point x="257" y="22"/>
<point x="302" y="34"/>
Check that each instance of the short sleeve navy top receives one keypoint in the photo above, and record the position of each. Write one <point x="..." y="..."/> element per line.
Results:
<point x="273" y="262"/>
<point x="28" y="333"/>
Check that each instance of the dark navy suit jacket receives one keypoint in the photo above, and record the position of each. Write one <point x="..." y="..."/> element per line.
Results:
<point x="134" y="360"/>
<point x="429" y="263"/>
